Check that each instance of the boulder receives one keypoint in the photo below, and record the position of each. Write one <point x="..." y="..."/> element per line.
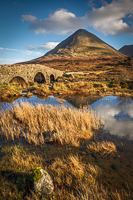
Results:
<point x="49" y="136"/>
<point x="43" y="183"/>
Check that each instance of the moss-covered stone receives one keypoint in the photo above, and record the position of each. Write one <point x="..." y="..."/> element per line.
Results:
<point x="37" y="173"/>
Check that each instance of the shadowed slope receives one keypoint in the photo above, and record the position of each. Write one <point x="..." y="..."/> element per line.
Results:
<point x="127" y="50"/>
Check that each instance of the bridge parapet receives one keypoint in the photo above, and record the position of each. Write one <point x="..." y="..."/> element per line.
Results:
<point x="27" y="72"/>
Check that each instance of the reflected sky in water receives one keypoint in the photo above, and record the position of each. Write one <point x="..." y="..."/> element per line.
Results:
<point x="117" y="111"/>
<point x="35" y="100"/>
<point x="118" y="114"/>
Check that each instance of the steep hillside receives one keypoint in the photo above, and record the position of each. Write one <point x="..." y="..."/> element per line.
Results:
<point x="82" y="44"/>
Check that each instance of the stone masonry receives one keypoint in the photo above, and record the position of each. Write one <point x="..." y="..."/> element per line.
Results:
<point x="27" y="72"/>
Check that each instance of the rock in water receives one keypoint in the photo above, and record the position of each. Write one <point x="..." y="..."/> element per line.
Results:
<point x="44" y="184"/>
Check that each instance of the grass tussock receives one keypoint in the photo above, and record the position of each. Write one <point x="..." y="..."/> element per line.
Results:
<point x="33" y="122"/>
<point x="17" y="159"/>
<point x="79" y="181"/>
<point x="71" y="171"/>
<point x="98" y="192"/>
<point x="103" y="148"/>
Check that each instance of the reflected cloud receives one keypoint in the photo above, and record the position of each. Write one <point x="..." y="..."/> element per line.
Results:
<point x="118" y="116"/>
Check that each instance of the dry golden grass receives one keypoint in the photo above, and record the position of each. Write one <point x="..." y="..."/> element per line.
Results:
<point x="77" y="181"/>
<point x="72" y="171"/>
<point x="33" y="122"/>
<point x="17" y="159"/>
<point x="73" y="180"/>
<point x="98" y="192"/>
<point x="104" y="148"/>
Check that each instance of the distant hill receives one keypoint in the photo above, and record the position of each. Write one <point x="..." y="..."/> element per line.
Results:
<point x="82" y="44"/>
<point x="127" y="50"/>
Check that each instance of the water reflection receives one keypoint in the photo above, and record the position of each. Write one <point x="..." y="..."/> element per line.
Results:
<point x="81" y="101"/>
<point x="118" y="113"/>
<point x="34" y="100"/>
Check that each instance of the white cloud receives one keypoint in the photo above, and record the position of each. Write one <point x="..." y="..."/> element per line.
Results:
<point x="27" y="52"/>
<point x="9" y="61"/>
<point x="29" y="18"/>
<point x="33" y="53"/>
<point x="49" y="45"/>
<point x="30" y="47"/>
<point x="1" y="48"/>
<point x="61" y="22"/>
<point x="109" y="19"/>
<point x="12" y="49"/>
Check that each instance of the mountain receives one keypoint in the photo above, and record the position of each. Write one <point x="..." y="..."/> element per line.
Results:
<point x="82" y="44"/>
<point x="79" y="52"/>
<point x="127" y="50"/>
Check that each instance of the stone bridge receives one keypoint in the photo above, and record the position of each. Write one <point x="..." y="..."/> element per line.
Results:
<point x="28" y="73"/>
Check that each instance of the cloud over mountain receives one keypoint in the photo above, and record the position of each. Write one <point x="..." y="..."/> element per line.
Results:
<point x="112" y="18"/>
<point x="61" y="22"/>
<point x="49" y="45"/>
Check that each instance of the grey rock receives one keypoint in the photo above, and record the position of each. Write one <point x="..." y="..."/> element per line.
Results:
<point x="44" y="185"/>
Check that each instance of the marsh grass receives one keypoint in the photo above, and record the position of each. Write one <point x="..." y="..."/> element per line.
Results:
<point x="73" y="179"/>
<point x="16" y="166"/>
<point x="71" y="171"/>
<point x="18" y="159"/>
<point x="103" y="148"/>
<point x="33" y="122"/>
<point x="9" y="90"/>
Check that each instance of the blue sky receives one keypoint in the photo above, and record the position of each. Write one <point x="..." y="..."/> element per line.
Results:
<point x="30" y="28"/>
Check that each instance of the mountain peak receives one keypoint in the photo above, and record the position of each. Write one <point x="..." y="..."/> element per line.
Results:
<point x="82" y="44"/>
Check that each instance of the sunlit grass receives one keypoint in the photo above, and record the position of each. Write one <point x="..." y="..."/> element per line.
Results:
<point x="33" y="122"/>
<point x="72" y="171"/>
<point x="73" y="179"/>
<point x="103" y="148"/>
<point x="17" y="159"/>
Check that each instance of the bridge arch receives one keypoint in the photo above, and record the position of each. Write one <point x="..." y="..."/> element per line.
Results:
<point x="18" y="80"/>
<point x="52" y="78"/>
<point x="39" y="78"/>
